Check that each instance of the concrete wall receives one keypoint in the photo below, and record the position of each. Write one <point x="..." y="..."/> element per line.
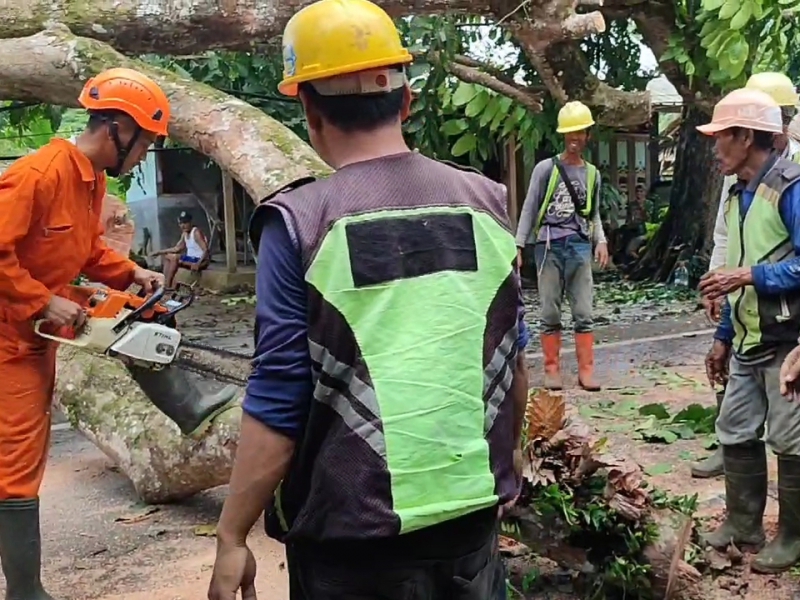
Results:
<point x="156" y="211"/>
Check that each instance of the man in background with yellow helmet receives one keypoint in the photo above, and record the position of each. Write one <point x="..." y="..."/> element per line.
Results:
<point x="781" y="89"/>
<point x="561" y="218"/>
<point x="385" y="408"/>
<point x="761" y="281"/>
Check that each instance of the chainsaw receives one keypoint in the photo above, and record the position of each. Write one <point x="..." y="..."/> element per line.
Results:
<point x="142" y="331"/>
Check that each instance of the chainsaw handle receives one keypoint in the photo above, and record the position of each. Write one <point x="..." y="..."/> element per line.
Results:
<point x="37" y="327"/>
<point x="155" y="298"/>
<point x="164" y="319"/>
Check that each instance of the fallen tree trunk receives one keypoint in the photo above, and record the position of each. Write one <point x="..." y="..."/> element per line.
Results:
<point x="158" y="26"/>
<point x="167" y="27"/>
<point x="104" y="404"/>
<point x="260" y="153"/>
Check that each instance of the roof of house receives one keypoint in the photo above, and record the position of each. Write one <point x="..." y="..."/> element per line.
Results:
<point x="663" y="93"/>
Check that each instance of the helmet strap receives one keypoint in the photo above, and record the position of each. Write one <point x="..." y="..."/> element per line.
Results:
<point x="122" y="151"/>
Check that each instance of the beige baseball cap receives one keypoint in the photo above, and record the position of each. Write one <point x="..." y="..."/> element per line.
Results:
<point x="746" y="108"/>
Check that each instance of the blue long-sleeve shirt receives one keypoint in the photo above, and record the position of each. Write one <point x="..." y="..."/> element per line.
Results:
<point x="770" y="278"/>
<point x="280" y="388"/>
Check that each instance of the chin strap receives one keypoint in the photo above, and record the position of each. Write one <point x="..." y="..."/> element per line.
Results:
<point x="122" y="151"/>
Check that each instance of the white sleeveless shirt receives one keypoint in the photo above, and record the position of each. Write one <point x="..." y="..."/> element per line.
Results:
<point x="193" y="249"/>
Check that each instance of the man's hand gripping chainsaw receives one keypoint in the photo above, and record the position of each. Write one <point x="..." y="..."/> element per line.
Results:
<point x="142" y="331"/>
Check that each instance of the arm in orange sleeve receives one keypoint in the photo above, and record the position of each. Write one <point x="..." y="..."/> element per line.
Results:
<point x="106" y="265"/>
<point x="21" y="296"/>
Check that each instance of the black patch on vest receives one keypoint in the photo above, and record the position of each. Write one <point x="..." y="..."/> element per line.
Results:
<point x="384" y="250"/>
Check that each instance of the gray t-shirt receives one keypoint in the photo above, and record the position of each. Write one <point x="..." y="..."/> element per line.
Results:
<point x="560" y="219"/>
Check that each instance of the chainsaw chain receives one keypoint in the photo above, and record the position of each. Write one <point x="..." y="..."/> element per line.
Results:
<point x="190" y="358"/>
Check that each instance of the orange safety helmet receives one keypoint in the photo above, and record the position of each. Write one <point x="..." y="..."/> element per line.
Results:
<point x="129" y="92"/>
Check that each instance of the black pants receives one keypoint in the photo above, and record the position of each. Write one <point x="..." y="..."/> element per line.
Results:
<point x="478" y="575"/>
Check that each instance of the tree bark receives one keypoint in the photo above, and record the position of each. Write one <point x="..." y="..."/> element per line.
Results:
<point x="104" y="404"/>
<point x="163" y="27"/>
<point x="260" y="153"/>
<point x="168" y="27"/>
<point x="696" y="188"/>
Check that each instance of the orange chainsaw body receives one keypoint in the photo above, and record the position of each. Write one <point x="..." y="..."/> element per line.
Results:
<point x="101" y="303"/>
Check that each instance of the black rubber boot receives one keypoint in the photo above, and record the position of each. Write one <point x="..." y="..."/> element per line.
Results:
<point x="21" y="549"/>
<point x="745" y="497"/>
<point x="174" y="393"/>
<point x="783" y="552"/>
<point x="711" y="466"/>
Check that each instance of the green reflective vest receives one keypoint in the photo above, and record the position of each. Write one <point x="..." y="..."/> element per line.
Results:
<point x="413" y="335"/>
<point x="760" y="237"/>
<point x="552" y="182"/>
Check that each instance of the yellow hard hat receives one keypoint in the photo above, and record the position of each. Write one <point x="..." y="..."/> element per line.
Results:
<point x="338" y="37"/>
<point x="745" y="108"/>
<point x="574" y="116"/>
<point x="777" y="85"/>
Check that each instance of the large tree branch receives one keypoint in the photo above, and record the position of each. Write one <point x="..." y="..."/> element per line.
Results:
<point x="170" y="27"/>
<point x="259" y="152"/>
<point x="548" y="30"/>
<point x="474" y="71"/>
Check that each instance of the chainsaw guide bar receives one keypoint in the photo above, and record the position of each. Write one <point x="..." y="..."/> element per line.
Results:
<point x="214" y="363"/>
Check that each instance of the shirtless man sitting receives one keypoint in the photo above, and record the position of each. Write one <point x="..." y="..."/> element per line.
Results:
<point x="191" y="251"/>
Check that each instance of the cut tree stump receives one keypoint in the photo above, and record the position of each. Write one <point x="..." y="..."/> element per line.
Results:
<point x="561" y="450"/>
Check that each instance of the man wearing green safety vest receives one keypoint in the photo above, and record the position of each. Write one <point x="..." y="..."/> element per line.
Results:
<point x="781" y="89"/>
<point x="759" y="323"/>
<point x="561" y="217"/>
<point x="385" y="407"/>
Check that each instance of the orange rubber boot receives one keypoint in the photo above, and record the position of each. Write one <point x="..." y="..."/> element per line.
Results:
<point x="584" y="351"/>
<point x="551" y="348"/>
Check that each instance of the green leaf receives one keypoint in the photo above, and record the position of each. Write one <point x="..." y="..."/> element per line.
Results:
<point x="477" y="104"/>
<point x="729" y="9"/>
<point x="454" y="127"/>
<point x="712" y="5"/>
<point x="682" y="431"/>
<point x="742" y="17"/>
<point x="659" y="469"/>
<point x="588" y="412"/>
<point x="734" y="59"/>
<point x="464" y="93"/>
<point x="709" y="27"/>
<point x="659" y="411"/>
<point x="490" y="111"/>
<point x="626" y="408"/>
<point x="660" y="435"/>
<point x="465" y="144"/>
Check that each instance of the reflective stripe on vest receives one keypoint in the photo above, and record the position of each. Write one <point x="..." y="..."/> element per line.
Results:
<point x="555" y="177"/>
<point x="761" y="237"/>
<point x="429" y="428"/>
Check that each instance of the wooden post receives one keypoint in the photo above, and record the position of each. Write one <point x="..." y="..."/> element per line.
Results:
<point x="229" y="216"/>
<point x="511" y="181"/>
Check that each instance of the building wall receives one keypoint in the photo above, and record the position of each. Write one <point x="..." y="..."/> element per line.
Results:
<point x="156" y="211"/>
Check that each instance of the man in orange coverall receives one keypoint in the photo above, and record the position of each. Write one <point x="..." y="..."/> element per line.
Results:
<point x="50" y="207"/>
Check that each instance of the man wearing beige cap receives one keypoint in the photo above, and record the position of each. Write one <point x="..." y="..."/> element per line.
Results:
<point x="759" y="323"/>
<point x="781" y="89"/>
